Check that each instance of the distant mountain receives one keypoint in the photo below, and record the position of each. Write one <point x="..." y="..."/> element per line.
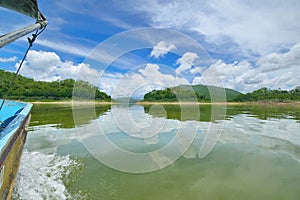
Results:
<point x="218" y="92"/>
<point x="192" y="93"/>
<point x="125" y="100"/>
<point x="27" y="89"/>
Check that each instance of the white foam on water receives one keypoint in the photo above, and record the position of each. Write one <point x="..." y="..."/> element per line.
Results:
<point x="41" y="176"/>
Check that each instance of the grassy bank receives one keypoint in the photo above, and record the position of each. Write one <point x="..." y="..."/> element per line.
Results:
<point x="73" y="102"/>
<point x="296" y="103"/>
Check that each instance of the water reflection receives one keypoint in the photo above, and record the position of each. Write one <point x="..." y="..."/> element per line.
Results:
<point x="257" y="155"/>
<point x="143" y="129"/>
<point x="52" y="125"/>
<point x="264" y="112"/>
<point x="61" y="115"/>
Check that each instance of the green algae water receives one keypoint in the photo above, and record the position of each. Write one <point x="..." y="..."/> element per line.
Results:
<point x="256" y="157"/>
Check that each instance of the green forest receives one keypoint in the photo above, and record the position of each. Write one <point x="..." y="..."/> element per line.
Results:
<point x="202" y="93"/>
<point x="265" y="94"/>
<point x="29" y="90"/>
<point x="192" y="93"/>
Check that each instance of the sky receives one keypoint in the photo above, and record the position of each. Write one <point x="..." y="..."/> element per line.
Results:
<point x="128" y="48"/>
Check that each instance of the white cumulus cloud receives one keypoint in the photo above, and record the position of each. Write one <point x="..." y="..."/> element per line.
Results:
<point x="252" y="25"/>
<point x="186" y="62"/>
<point x="146" y="79"/>
<point x="47" y="66"/>
<point x="11" y="59"/>
<point x="161" y="48"/>
<point x="277" y="61"/>
<point x="273" y="71"/>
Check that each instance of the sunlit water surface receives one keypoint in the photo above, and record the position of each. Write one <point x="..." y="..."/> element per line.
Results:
<point x="256" y="157"/>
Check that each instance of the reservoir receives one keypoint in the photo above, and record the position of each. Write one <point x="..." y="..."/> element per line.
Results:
<point x="257" y="155"/>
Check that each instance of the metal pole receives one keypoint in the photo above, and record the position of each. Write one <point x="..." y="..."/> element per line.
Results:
<point x="10" y="37"/>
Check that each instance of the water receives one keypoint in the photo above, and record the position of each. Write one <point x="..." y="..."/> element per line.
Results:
<point x="257" y="155"/>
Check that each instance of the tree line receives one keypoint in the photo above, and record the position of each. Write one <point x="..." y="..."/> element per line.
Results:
<point x="27" y="89"/>
<point x="266" y="94"/>
<point x="30" y="90"/>
<point x="193" y="93"/>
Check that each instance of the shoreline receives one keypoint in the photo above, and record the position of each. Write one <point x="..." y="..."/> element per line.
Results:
<point x="72" y="102"/>
<point x="221" y="103"/>
<point x="296" y="103"/>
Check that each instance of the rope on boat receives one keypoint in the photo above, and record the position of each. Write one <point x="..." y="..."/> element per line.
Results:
<point x="30" y="41"/>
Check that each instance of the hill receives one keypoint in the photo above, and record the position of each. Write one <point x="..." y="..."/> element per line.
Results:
<point x="27" y="89"/>
<point x="192" y="93"/>
<point x="218" y="92"/>
<point x="125" y="100"/>
<point x="265" y="94"/>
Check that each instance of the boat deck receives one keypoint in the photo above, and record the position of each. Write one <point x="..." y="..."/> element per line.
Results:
<point x="14" y="119"/>
<point x="12" y="116"/>
<point x="9" y="111"/>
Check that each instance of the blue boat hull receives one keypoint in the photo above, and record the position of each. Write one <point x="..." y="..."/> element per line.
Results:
<point x="14" y="120"/>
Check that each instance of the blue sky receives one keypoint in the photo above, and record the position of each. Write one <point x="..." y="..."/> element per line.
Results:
<point x="249" y="44"/>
